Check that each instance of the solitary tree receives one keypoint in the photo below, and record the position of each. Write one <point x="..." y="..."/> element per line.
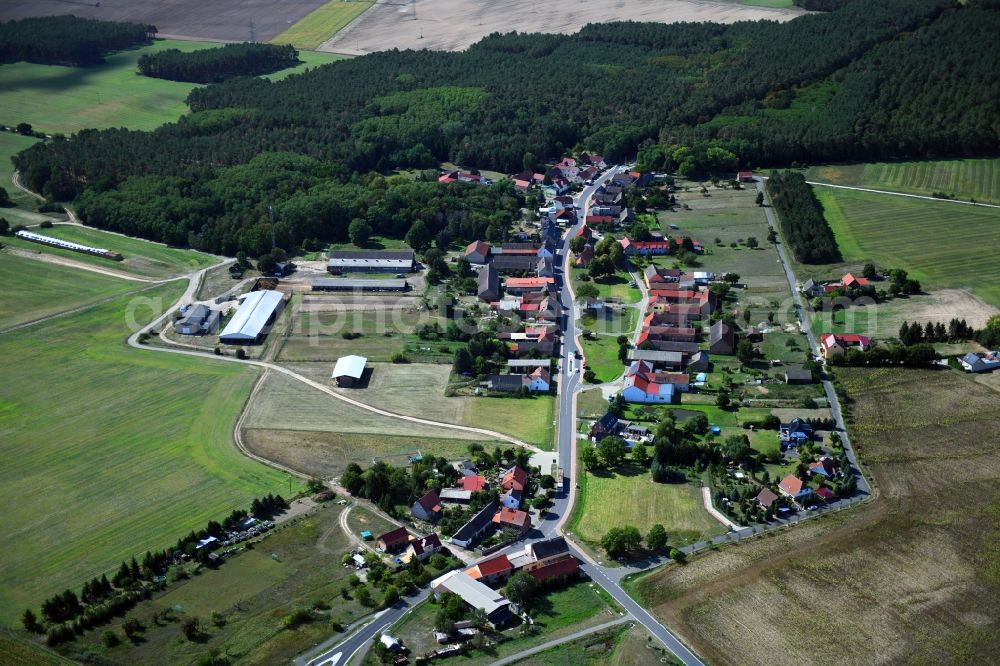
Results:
<point x="590" y="458"/>
<point x="587" y="290"/>
<point x="621" y="541"/>
<point x="612" y="451"/>
<point x="760" y="198"/>
<point x="745" y="351"/>
<point x="657" y="537"/>
<point x="521" y="588"/>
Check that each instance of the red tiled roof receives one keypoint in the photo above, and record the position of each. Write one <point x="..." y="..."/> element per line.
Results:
<point x="430" y="502"/>
<point x="529" y="282"/>
<point x="791" y="484"/>
<point x="514" y="517"/>
<point x="564" y="566"/>
<point x="472" y="483"/>
<point x="826" y="494"/>
<point x="514" y="479"/>
<point x="490" y="567"/>
<point x="477" y="246"/>
<point x="430" y="542"/>
<point x="395" y="537"/>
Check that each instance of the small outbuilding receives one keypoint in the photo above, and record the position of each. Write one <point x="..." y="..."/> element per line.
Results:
<point x="349" y="370"/>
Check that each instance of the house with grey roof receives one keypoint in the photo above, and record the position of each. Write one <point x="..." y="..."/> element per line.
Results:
<point x="198" y="320"/>
<point x="721" y="338"/>
<point x="489" y="284"/>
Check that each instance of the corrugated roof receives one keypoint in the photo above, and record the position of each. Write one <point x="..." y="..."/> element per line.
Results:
<point x="252" y="316"/>
<point x="472" y="591"/>
<point x="349" y="366"/>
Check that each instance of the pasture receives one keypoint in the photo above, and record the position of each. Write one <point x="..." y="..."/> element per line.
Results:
<point x="944" y="245"/>
<point x="920" y="561"/>
<point x="452" y="25"/>
<point x="209" y="20"/>
<point x="961" y="179"/>
<point x="628" y="496"/>
<point x="109" y="450"/>
<point x="254" y="593"/>
<point x="141" y="257"/>
<point x="322" y="23"/>
<point x="47" y="289"/>
<point x="68" y="99"/>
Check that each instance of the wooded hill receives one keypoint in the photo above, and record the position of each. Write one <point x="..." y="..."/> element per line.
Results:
<point x="68" y="40"/>
<point x="876" y="79"/>
<point x="218" y="64"/>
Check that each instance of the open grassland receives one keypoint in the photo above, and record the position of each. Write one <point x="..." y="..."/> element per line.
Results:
<point x="418" y="389"/>
<point x="68" y="99"/>
<point x="944" y="245"/>
<point x="40" y="289"/>
<point x="624" y="645"/>
<point x="910" y="578"/>
<point x="110" y="451"/>
<point x="18" y="652"/>
<point x="959" y="179"/>
<point x="557" y="613"/>
<point x="141" y="257"/>
<point x="308" y="430"/>
<point x="322" y="23"/>
<point x="11" y="144"/>
<point x="601" y="355"/>
<point x="253" y="592"/>
<point x="629" y="497"/>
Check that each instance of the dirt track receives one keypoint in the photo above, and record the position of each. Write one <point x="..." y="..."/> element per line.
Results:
<point x="449" y="25"/>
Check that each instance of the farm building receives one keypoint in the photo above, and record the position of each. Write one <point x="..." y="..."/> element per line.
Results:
<point x="349" y="370"/>
<point x="198" y="320"/>
<point x="475" y="594"/>
<point x="370" y="261"/>
<point x="721" y="338"/>
<point x="525" y="366"/>
<point x="515" y="264"/>
<point x="68" y="245"/>
<point x="394" y="540"/>
<point x="427" y="507"/>
<point x="657" y="359"/>
<point x="796" y="374"/>
<point x="644" y="385"/>
<point x="476" y="527"/>
<point x="477" y="252"/>
<point x="489" y="284"/>
<point x="972" y="362"/>
<point x="346" y="284"/>
<point x="494" y="570"/>
<point x="833" y="344"/>
<point x="254" y="318"/>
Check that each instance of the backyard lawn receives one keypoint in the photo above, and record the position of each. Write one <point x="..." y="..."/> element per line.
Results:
<point x="629" y="497"/>
<point x="110" y="451"/>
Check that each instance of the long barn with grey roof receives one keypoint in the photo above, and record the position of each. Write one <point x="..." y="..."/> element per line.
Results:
<point x="370" y="261"/>
<point x="254" y="317"/>
<point x="354" y="284"/>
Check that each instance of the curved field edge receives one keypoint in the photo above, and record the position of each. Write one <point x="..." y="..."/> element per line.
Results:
<point x="323" y="23"/>
<point x="110" y="450"/>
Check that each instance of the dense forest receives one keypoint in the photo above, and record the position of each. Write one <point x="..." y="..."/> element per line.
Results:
<point x="801" y="218"/>
<point x="874" y="79"/>
<point x="821" y="5"/>
<point x="68" y="40"/>
<point x="218" y="64"/>
<point x="225" y="210"/>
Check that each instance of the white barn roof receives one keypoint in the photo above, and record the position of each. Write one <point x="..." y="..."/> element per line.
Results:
<point x="472" y="591"/>
<point x="252" y="317"/>
<point x="349" y="366"/>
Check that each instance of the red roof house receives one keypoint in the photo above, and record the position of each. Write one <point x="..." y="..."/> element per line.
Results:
<point x="394" y="540"/>
<point x="825" y="494"/>
<point x="507" y="517"/>
<point x="514" y="479"/>
<point x="492" y="570"/>
<point x="427" y="507"/>
<point x="472" y="483"/>
<point x="567" y="565"/>
<point x="424" y="547"/>
<point x="850" y="280"/>
<point x="794" y="487"/>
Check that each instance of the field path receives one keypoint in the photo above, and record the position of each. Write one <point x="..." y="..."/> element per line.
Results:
<point x="524" y="654"/>
<point x="706" y="497"/>
<point x="65" y="261"/>
<point x="15" y="179"/>
<point x="816" y="183"/>
<point x="194" y="280"/>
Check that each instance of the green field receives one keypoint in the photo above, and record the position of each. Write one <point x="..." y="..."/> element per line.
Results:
<point x="601" y="356"/>
<point x="18" y="652"/>
<point x="141" y="257"/>
<point x="253" y="591"/>
<point x="960" y="179"/>
<point x="943" y="245"/>
<point x="53" y="289"/>
<point x="68" y="99"/>
<point x="323" y="23"/>
<point x="629" y="497"/>
<point x="623" y="645"/>
<point x="110" y="451"/>
<point x="10" y="145"/>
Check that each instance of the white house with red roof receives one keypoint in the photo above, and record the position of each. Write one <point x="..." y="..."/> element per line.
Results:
<point x="423" y="547"/>
<point x="794" y="487"/>
<point x="644" y="385"/>
<point x="834" y="344"/>
<point x="477" y="252"/>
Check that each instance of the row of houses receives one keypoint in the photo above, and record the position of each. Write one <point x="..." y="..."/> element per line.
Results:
<point x="506" y="514"/>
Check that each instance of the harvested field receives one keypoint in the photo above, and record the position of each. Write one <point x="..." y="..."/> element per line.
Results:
<point x="909" y="578"/>
<point x="452" y="25"/>
<point x="217" y="20"/>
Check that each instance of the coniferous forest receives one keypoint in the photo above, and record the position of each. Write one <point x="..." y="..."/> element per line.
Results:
<point x="218" y="64"/>
<point x="68" y="40"/>
<point x="875" y="79"/>
<point x="801" y="218"/>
